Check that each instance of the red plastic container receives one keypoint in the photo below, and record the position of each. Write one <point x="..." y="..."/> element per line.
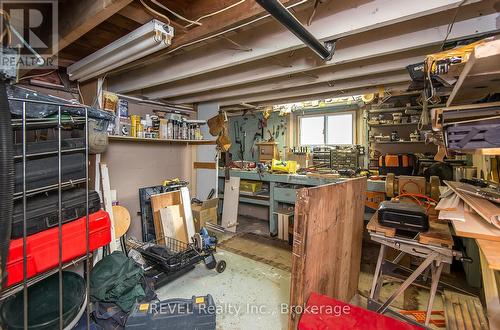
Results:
<point x="324" y="313"/>
<point x="43" y="247"/>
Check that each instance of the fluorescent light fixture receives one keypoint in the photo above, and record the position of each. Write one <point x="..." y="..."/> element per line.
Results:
<point x="147" y="39"/>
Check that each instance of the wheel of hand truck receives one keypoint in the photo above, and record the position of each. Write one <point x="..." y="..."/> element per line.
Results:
<point x="390" y="181"/>
<point x="221" y="266"/>
<point x="435" y="182"/>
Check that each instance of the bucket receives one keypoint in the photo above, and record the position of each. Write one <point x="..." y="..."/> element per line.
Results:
<point x="43" y="303"/>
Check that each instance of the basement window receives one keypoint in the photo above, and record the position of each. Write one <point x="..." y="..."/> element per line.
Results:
<point x="332" y="129"/>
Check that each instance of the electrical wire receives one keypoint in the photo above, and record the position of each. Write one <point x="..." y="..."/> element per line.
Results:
<point x="37" y="75"/>
<point x="6" y="31"/>
<point x="99" y="91"/>
<point x="416" y="197"/>
<point x="82" y="101"/>
<point x="216" y="12"/>
<point x="174" y="13"/>
<point x="206" y="38"/>
<point x="154" y="12"/>
<point x="450" y="26"/>
<point x="231" y="29"/>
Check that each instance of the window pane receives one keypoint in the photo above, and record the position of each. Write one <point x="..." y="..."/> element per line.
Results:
<point x="339" y="129"/>
<point x="311" y="130"/>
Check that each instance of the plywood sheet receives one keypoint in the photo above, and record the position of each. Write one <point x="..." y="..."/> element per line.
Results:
<point x="161" y="201"/>
<point x="328" y="227"/>
<point x="491" y="252"/>
<point x="230" y="206"/>
<point x="486" y="209"/>
<point x="476" y="227"/>
<point x="172" y="223"/>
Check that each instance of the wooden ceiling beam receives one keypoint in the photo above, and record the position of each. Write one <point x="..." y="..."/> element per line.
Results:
<point x="136" y="12"/>
<point x="77" y="17"/>
<point x="232" y="17"/>
<point x="271" y="39"/>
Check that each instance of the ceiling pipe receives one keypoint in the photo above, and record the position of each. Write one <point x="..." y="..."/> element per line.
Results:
<point x="282" y="15"/>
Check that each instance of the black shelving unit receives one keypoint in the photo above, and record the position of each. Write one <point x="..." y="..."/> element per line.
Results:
<point x="22" y="128"/>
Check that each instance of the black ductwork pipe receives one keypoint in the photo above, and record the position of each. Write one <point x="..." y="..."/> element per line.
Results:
<point x="282" y="15"/>
<point x="6" y="178"/>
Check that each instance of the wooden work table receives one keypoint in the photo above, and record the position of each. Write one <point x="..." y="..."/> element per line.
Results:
<point x="283" y="188"/>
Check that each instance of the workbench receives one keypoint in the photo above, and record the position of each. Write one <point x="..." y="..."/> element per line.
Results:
<point x="282" y="189"/>
<point x="434" y="247"/>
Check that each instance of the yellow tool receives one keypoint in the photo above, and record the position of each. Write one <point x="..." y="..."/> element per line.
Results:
<point x="289" y="166"/>
<point x="169" y="182"/>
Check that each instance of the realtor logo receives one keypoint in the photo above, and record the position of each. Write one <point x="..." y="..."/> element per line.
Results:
<point x="29" y="27"/>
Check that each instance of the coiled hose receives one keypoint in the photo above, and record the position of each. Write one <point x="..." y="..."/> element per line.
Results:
<point x="6" y="178"/>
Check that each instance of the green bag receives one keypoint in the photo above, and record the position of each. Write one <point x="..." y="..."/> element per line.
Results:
<point x="117" y="279"/>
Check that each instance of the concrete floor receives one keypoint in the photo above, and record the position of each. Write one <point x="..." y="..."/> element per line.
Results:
<point x="249" y="293"/>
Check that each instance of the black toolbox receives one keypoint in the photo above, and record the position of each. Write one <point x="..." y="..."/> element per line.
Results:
<point x="42" y="210"/>
<point x="50" y="146"/>
<point x="403" y="216"/>
<point x="197" y="313"/>
<point x="42" y="171"/>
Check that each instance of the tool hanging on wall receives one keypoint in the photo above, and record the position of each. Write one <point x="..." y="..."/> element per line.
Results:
<point x="255" y="137"/>
<point x="237" y="130"/>
<point x="271" y="136"/>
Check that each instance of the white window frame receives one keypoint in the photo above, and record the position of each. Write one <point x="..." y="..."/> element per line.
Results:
<point x="325" y="123"/>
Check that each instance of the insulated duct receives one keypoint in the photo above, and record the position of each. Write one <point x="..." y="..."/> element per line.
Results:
<point x="6" y="178"/>
<point x="282" y="15"/>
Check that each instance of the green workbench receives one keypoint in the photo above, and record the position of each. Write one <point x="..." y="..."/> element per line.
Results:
<point x="282" y="189"/>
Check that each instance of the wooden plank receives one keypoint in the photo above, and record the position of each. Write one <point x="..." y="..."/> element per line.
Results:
<point x="438" y="234"/>
<point x="187" y="212"/>
<point x="173" y="223"/>
<point x="136" y="139"/>
<point x="328" y="223"/>
<point x="79" y="17"/>
<point x="491" y="282"/>
<point x="135" y="12"/>
<point x="159" y="202"/>
<point x="108" y="203"/>
<point x="205" y="165"/>
<point x="480" y="75"/>
<point x="463" y="311"/>
<point x="374" y="226"/>
<point x="486" y="209"/>
<point x="449" y="314"/>
<point x="230" y="205"/>
<point x="491" y="252"/>
<point x="475" y="227"/>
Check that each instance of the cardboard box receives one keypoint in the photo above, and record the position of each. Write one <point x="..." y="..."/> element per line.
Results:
<point x="205" y="212"/>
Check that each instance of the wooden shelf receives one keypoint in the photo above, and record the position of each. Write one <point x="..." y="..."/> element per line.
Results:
<point x="144" y="140"/>
<point x="399" y="142"/>
<point x="413" y="107"/>
<point x="388" y="125"/>
<point x="480" y="75"/>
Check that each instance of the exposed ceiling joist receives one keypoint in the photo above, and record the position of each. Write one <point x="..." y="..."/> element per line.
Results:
<point x="369" y="46"/>
<point x="393" y="88"/>
<point x="325" y="76"/>
<point x="333" y="22"/>
<point x="396" y="77"/>
<point x="80" y="16"/>
<point x="136" y="12"/>
<point x="210" y="24"/>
